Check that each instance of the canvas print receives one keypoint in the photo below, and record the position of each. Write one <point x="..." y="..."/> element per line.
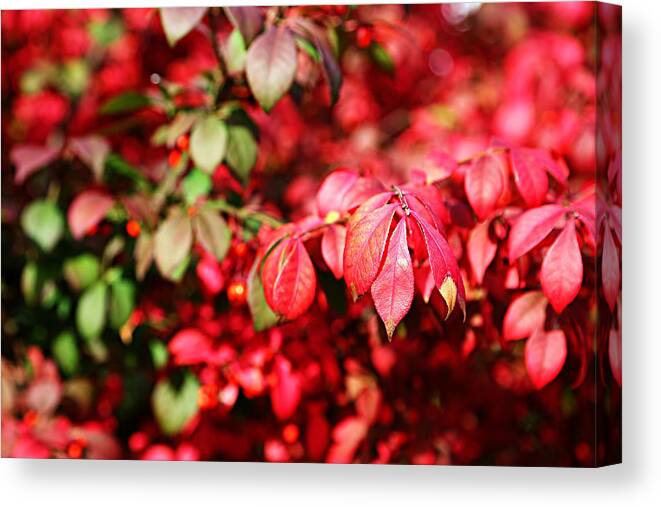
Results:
<point x="329" y="234"/>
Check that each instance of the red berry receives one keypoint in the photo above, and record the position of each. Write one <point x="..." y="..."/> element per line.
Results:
<point x="290" y="433"/>
<point x="239" y="249"/>
<point x="363" y="37"/>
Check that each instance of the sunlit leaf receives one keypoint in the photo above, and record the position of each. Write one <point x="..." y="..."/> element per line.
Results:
<point x="175" y="407"/>
<point x="91" y="310"/>
<point x="179" y="21"/>
<point x="43" y="222"/>
<point x="172" y="242"/>
<point x="208" y="143"/>
<point x="271" y="65"/>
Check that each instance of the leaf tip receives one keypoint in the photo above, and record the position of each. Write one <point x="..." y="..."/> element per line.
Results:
<point x="448" y="291"/>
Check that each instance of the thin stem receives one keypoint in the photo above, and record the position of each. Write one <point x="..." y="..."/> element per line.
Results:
<point x="244" y="213"/>
<point x="402" y="199"/>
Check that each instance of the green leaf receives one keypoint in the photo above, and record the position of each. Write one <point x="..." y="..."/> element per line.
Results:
<point x="196" y="184"/>
<point x="208" y="143"/>
<point x="122" y="301"/>
<point x="73" y="77"/>
<point x="271" y="65"/>
<point x="106" y="32"/>
<point x="91" y="311"/>
<point x="159" y="353"/>
<point x="178" y="21"/>
<point x="172" y="242"/>
<point x="234" y="53"/>
<point x="212" y="232"/>
<point x="30" y="283"/>
<point x="241" y="151"/>
<point x="81" y="271"/>
<point x="262" y="315"/>
<point x="382" y="58"/>
<point x="309" y="48"/>
<point x="65" y="352"/>
<point x="125" y="103"/>
<point x="43" y="222"/>
<point x="173" y="408"/>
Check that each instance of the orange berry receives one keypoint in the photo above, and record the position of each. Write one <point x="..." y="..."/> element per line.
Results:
<point x="30" y="418"/>
<point x="174" y="158"/>
<point x="207" y="396"/>
<point x="75" y="449"/>
<point x="290" y="433"/>
<point x="133" y="228"/>
<point x="192" y="211"/>
<point x="182" y="142"/>
<point x="236" y="292"/>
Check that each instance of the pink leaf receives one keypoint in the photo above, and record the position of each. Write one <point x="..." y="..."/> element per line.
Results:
<point x="562" y="269"/>
<point x="92" y="150"/>
<point x="481" y="250"/>
<point x="443" y="266"/>
<point x="286" y="390"/>
<point x="484" y="184"/>
<point x="190" y="346"/>
<point x="347" y="435"/>
<point x="333" y="190"/>
<point x="332" y="248"/>
<point x="525" y="315"/>
<point x="424" y="281"/>
<point x="529" y="175"/>
<point x="392" y="290"/>
<point x="531" y="228"/>
<point x="545" y="356"/>
<point x="29" y="157"/>
<point x="610" y="269"/>
<point x="87" y="210"/>
<point x="363" y="189"/>
<point x="367" y="235"/>
<point x="615" y="354"/>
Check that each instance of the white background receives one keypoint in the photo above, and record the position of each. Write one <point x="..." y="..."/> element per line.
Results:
<point x="636" y="482"/>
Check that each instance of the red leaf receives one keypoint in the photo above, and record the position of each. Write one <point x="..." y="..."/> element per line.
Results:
<point x="289" y="279"/>
<point x="610" y="269"/>
<point x="443" y="266"/>
<point x="424" y="281"/>
<point x="562" y="269"/>
<point x="481" y="250"/>
<point x="615" y="354"/>
<point x="332" y="248"/>
<point x="286" y="390"/>
<point x="484" y="184"/>
<point x="529" y="175"/>
<point x="392" y="290"/>
<point x="532" y="227"/>
<point x="525" y="315"/>
<point x="30" y="157"/>
<point x="87" y="210"/>
<point x="190" y="346"/>
<point x="316" y="437"/>
<point x="545" y="356"/>
<point x="367" y="235"/>
<point x="333" y="190"/>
